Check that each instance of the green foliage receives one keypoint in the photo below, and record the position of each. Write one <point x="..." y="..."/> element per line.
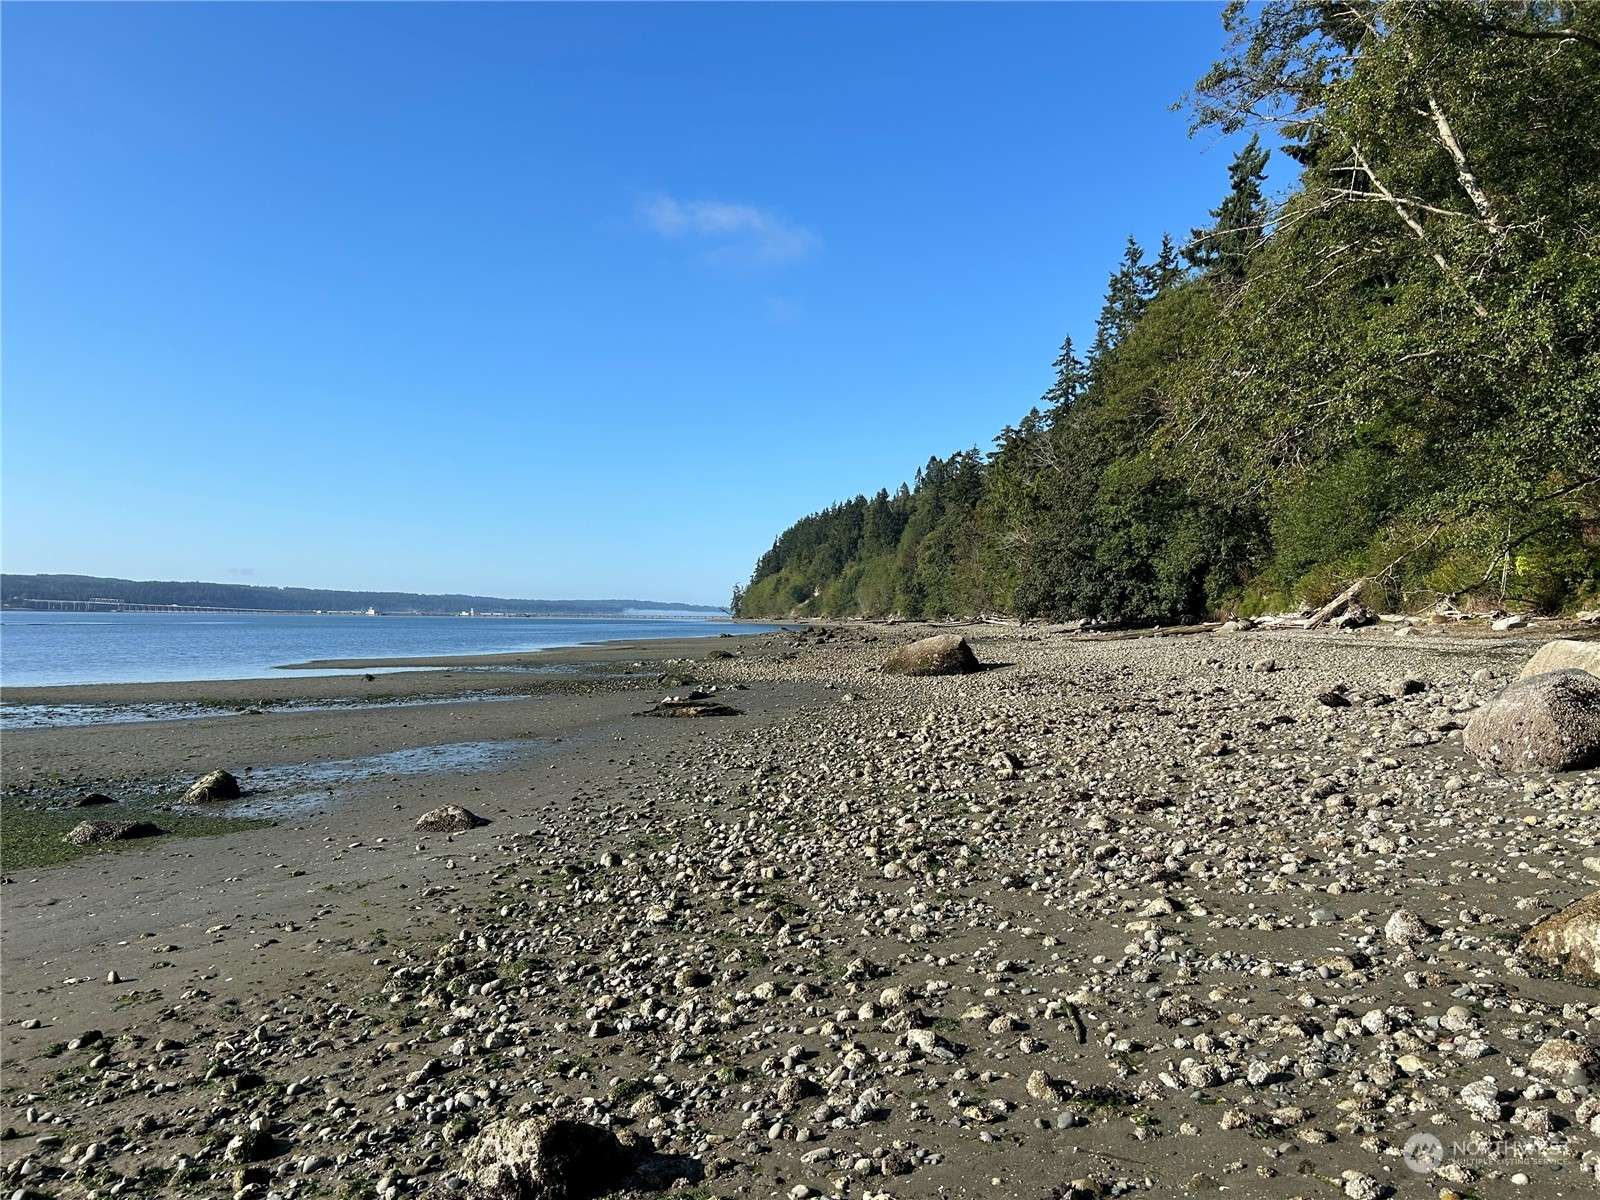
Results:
<point x="1392" y="372"/>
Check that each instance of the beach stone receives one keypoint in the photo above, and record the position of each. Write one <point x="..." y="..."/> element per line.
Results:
<point x="92" y="833"/>
<point x="448" y="818"/>
<point x="217" y="785"/>
<point x="94" y="800"/>
<point x="541" y="1158"/>
<point x="1406" y="928"/>
<point x="695" y="704"/>
<point x="1569" y="940"/>
<point x="943" y="654"/>
<point x="1549" y="721"/>
<point x="1565" y="1062"/>
<point x="1563" y="654"/>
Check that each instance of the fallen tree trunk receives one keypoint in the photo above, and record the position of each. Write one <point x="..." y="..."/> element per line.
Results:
<point x="1337" y="605"/>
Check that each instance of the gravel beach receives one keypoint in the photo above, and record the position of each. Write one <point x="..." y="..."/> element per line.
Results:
<point x="1210" y="914"/>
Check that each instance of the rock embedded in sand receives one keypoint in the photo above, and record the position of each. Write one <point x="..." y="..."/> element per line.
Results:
<point x="1549" y="721"/>
<point x="1563" y="654"/>
<point x="217" y="785"/>
<point x="543" y="1159"/>
<point x="93" y="833"/>
<point x="944" y="654"/>
<point x="449" y="818"/>
<point x="94" y="800"/>
<point x="693" y="704"/>
<point x="1569" y="940"/>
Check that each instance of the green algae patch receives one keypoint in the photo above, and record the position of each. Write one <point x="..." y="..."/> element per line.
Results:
<point x="36" y="836"/>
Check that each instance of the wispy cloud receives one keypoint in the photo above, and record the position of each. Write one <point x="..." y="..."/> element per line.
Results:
<point x="730" y="231"/>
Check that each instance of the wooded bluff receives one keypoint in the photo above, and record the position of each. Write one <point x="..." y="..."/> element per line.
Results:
<point x="1392" y="372"/>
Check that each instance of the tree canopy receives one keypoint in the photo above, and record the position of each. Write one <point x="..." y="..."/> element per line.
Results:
<point x="1392" y="371"/>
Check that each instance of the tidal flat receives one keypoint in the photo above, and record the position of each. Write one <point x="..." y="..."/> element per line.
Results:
<point x="1109" y="917"/>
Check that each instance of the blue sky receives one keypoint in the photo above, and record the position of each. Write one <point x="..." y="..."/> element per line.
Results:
<point x="547" y="300"/>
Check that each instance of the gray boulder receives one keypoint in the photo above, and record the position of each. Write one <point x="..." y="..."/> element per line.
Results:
<point x="542" y="1158"/>
<point x="943" y="654"/>
<point x="448" y="818"/>
<point x="1549" y="722"/>
<point x="218" y="785"/>
<point x="1569" y="940"/>
<point x="1564" y="654"/>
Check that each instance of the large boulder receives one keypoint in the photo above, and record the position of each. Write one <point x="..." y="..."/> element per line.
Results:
<point x="1569" y="940"/>
<point x="1564" y="654"/>
<point x="1564" y="1062"/>
<point x="944" y="654"/>
<point x="217" y="785"/>
<point x="449" y="818"/>
<point x="543" y="1158"/>
<point x="1549" y="721"/>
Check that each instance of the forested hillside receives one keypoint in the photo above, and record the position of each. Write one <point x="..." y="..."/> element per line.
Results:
<point x="1393" y="371"/>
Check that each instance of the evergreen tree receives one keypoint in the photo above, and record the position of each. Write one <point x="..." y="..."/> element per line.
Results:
<point x="1072" y="376"/>
<point x="1126" y="295"/>
<point x="1166" y="272"/>
<point x="1238" y="224"/>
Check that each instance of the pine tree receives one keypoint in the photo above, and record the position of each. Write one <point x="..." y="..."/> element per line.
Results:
<point x="1238" y="223"/>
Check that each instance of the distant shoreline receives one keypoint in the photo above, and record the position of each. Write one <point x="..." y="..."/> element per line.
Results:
<point x="429" y="674"/>
<point x="180" y="611"/>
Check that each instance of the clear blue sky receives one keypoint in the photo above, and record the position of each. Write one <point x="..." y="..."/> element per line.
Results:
<point x="547" y="300"/>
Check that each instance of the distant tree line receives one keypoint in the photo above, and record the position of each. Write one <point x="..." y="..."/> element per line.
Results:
<point x="1393" y="372"/>
<point x="15" y="588"/>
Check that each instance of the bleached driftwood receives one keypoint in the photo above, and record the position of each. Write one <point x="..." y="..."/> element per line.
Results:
<point x="1337" y="605"/>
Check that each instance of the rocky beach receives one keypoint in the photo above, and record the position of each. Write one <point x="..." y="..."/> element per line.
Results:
<point x="1230" y="913"/>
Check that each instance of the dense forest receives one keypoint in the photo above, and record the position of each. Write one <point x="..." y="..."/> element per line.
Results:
<point x="18" y="590"/>
<point x="1393" y="371"/>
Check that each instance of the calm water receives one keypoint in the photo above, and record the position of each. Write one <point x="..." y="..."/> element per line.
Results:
<point x="41" y="648"/>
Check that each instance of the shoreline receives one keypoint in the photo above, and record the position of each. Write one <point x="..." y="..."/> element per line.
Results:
<point x="445" y="674"/>
<point x="1051" y="921"/>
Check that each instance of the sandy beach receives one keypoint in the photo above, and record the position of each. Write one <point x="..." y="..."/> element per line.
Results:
<point x="1109" y="917"/>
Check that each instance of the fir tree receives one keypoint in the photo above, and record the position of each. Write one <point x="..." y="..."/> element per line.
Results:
<point x="1072" y="376"/>
<point x="1238" y="223"/>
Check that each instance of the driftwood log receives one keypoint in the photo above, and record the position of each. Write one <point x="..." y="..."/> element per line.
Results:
<point x="1337" y="605"/>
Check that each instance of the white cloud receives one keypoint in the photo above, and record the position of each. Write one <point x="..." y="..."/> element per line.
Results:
<point x="732" y="231"/>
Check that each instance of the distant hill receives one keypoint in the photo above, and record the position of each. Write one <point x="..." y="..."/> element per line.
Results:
<point x="17" y="590"/>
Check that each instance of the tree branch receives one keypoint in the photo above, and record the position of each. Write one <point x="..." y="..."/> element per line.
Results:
<point x="1417" y="231"/>
<point x="1559" y="35"/>
<point x="1469" y="181"/>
